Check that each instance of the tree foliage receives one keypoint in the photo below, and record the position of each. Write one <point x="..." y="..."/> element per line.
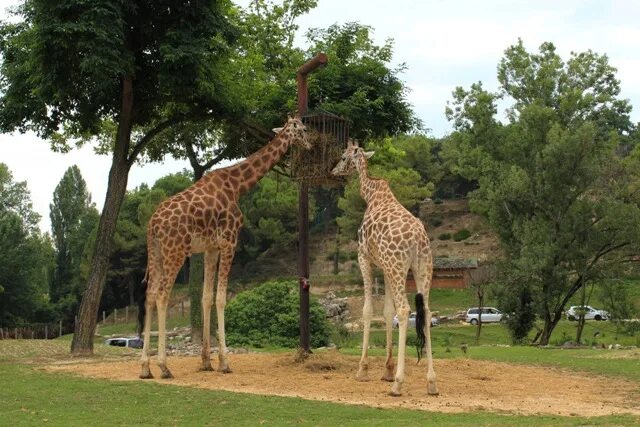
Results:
<point x="358" y="82"/>
<point x="26" y="257"/>
<point x="550" y="181"/>
<point x="71" y="204"/>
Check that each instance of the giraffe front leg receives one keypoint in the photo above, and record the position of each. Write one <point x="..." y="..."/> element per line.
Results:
<point x="367" y="313"/>
<point x="145" y="373"/>
<point x="388" y="320"/>
<point x="210" y="263"/>
<point x="226" y="257"/>
<point x="163" y="302"/>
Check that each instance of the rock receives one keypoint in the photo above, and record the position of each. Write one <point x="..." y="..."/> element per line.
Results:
<point x="337" y="308"/>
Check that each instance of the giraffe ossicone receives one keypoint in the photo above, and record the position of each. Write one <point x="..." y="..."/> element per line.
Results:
<point x="204" y="218"/>
<point x="394" y="240"/>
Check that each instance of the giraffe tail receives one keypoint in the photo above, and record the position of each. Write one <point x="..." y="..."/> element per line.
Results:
<point x="420" y="322"/>
<point x="142" y="299"/>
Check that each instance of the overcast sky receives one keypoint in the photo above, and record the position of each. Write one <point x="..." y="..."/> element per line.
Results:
<point x="443" y="43"/>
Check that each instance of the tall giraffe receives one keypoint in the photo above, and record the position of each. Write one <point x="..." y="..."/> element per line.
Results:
<point x="204" y="218"/>
<point x="394" y="240"/>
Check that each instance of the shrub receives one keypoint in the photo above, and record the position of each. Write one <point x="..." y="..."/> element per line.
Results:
<point x="444" y="236"/>
<point x="267" y="315"/>
<point x="461" y="235"/>
<point x="435" y="221"/>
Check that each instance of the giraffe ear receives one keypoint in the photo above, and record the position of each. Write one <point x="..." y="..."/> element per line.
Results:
<point x="368" y="154"/>
<point x="277" y="130"/>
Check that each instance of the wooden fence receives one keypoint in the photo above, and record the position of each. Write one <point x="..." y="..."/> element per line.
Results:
<point x="57" y="329"/>
<point x="36" y="331"/>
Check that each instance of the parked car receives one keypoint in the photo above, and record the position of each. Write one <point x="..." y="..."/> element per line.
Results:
<point x="132" y="342"/>
<point x="590" y="313"/>
<point x="412" y="320"/>
<point x="489" y="315"/>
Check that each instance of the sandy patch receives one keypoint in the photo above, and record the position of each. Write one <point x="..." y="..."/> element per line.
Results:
<point x="464" y="385"/>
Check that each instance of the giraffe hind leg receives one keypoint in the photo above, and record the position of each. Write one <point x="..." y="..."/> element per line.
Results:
<point x="422" y="272"/>
<point x="388" y="320"/>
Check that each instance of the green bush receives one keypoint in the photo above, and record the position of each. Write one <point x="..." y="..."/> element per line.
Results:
<point x="267" y="315"/>
<point x="436" y="221"/>
<point x="461" y="235"/>
<point x="444" y="236"/>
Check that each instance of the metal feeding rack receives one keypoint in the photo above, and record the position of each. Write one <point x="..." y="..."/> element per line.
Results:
<point x="328" y="135"/>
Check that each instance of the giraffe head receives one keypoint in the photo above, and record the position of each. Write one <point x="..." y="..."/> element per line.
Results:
<point x="350" y="158"/>
<point x="295" y="132"/>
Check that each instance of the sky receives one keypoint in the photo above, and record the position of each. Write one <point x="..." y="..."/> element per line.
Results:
<point x="443" y="43"/>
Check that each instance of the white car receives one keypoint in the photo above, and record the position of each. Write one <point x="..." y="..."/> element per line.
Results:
<point x="590" y="313"/>
<point x="412" y="320"/>
<point x="489" y="315"/>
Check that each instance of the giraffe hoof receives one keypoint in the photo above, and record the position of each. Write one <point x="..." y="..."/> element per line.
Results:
<point x="432" y="391"/>
<point x="206" y="368"/>
<point x="146" y="376"/>
<point x="362" y="377"/>
<point x="167" y="375"/>
<point x="388" y="378"/>
<point x="226" y="370"/>
<point x="396" y="389"/>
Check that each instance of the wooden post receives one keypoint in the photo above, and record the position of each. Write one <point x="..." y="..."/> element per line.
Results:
<point x="46" y="332"/>
<point x="182" y="309"/>
<point x="15" y="333"/>
<point x="126" y="314"/>
<point x="115" y="315"/>
<point x="303" y="266"/>
<point x="33" y="334"/>
<point x="60" y="329"/>
<point x="303" y="210"/>
<point x="104" y="317"/>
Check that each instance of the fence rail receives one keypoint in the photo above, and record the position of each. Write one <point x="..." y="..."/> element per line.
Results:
<point x="36" y="331"/>
<point x="59" y="328"/>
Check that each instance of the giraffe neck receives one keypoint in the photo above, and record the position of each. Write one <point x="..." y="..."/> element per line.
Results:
<point x="254" y="167"/>
<point x="368" y="185"/>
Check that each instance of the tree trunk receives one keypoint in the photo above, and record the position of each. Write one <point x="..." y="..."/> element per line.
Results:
<point x="549" y="325"/>
<point x="82" y="343"/>
<point x="480" y="295"/>
<point x="580" y="329"/>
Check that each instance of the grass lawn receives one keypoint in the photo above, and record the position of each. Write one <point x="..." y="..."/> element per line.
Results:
<point x="31" y="396"/>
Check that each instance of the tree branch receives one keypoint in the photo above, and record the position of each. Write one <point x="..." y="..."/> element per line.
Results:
<point x="145" y="140"/>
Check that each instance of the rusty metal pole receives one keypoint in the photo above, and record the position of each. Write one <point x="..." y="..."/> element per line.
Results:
<point x="303" y="212"/>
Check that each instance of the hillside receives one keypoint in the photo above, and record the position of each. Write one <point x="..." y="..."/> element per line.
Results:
<point x="452" y="216"/>
<point x="441" y="219"/>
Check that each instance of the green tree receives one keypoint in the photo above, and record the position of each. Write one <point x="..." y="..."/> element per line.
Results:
<point x="550" y="182"/>
<point x="123" y="70"/>
<point x="26" y="257"/>
<point x="71" y="202"/>
<point x="358" y="82"/>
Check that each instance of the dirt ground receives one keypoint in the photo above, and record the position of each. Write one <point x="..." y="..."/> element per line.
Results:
<point x="464" y="385"/>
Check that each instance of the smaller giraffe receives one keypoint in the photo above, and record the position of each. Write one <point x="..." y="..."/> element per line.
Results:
<point x="204" y="218"/>
<point x="394" y="240"/>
